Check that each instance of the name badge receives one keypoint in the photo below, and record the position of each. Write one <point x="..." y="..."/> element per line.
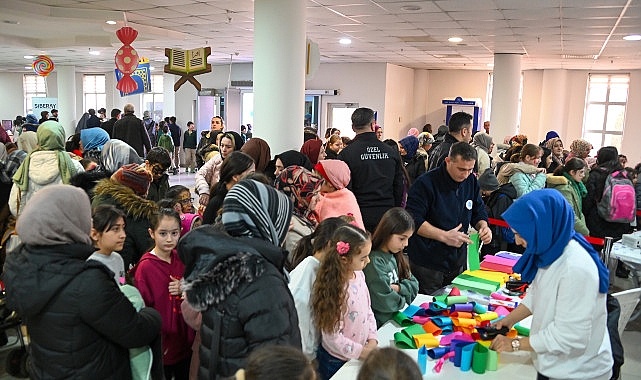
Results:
<point x="468" y="204"/>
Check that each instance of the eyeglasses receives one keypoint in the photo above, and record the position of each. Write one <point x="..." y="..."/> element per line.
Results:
<point x="158" y="170"/>
<point x="186" y="201"/>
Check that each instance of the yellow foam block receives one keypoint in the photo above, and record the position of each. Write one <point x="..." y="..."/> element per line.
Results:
<point x="428" y="340"/>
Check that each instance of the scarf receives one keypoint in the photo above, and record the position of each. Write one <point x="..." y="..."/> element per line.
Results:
<point x="51" y="137"/>
<point x="93" y="138"/>
<point x="311" y="148"/>
<point x="27" y="141"/>
<point x="258" y="149"/>
<point x="235" y="138"/>
<point x="292" y="157"/>
<point x="579" y="187"/>
<point x="336" y="172"/>
<point x="57" y="214"/>
<point x="482" y="141"/>
<point x="578" y="147"/>
<point x="410" y="144"/>
<point x="299" y="184"/>
<point x="256" y="210"/>
<point x="116" y="154"/>
<point x="546" y="221"/>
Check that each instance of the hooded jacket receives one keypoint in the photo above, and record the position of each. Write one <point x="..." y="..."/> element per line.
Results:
<point x="238" y="284"/>
<point x="79" y="322"/>
<point x="138" y="217"/>
<point x="562" y="184"/>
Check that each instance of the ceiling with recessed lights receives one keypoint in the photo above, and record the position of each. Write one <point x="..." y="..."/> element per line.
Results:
<point x="570" y="34"/>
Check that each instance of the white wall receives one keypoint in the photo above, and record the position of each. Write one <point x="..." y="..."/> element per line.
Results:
<point x="399" y="101"/>
<point x="419" y="117"/>
<point x="11" y="96"/>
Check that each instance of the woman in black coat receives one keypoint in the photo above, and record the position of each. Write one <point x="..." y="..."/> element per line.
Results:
<point x="237" y="281"/>
<point x="80" y="324"/>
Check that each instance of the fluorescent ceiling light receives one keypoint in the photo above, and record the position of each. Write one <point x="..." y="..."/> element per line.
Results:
<point x="29" y="57"/>
<point x="490" y="65"/>
<point x="344" y="41"/>
<point x="632" y="37"/>
<point x="455" y="39"/>
<point x="111" y="22"/>
<point x="28" y="67"/>
<point x="94" y="52"/>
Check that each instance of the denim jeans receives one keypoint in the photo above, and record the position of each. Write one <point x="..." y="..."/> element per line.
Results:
<point x="328" y="365"/>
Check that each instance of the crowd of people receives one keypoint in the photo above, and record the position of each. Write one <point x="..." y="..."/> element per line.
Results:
<point x="311" y="250"/>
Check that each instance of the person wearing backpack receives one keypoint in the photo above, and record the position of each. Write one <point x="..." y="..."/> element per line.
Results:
<point x="607" y="163"/>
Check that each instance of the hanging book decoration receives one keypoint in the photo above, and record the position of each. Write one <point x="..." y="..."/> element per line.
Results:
<point x="126" y="59"/>
<point x="187" y="64"/>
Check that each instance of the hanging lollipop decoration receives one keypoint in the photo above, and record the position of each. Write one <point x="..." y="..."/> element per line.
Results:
<point x="126" y="59"/>
<point x="42" y="65"/>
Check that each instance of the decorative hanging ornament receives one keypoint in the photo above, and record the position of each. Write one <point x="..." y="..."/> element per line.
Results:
<point x="126" y="59"/>
<point x="42" y="65"/>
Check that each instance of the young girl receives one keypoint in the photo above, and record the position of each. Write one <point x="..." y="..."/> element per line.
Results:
<point x="389" y="280"/>
<point x="157" y="277"/>
<point x="341" y="302"/>
<point x="308" y="255"/>
<point x="568" y="180"/>
<point x="522" y="179"/>
<point x="182" y="195"/>
<point x="108" y="235"/>
<point x="334" y="198"/>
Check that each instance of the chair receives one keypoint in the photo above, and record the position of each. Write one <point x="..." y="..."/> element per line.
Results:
<point x="628" y="300"/>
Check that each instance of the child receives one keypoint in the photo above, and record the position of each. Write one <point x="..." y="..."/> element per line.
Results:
<point x="157" y="277"/>
<point x="341" y="303"/>
<point x="108" y="235"/>
<point x="308" y="256"/>
<point x="389" y="364"/>
<point x="181" y="194"/>
<point x="157" y="163"/>
<point x="389" y="280"/>
<point x="335" y="199"/>
<point x="276" y="362"/>
<point x="523" y="180"/>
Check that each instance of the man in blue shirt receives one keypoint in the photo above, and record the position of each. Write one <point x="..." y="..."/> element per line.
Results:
<point x="444" y="202"/>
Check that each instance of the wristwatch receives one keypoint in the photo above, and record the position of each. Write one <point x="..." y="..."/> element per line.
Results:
<point x="516" y="344"/>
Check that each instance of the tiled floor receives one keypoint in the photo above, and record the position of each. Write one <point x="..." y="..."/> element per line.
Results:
<point x="631" y="337"/>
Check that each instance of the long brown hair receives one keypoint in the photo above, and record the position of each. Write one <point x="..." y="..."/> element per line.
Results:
<point x="394" y="222"/>
<point x="330" y="287"/>
<point x="315" y="242"/>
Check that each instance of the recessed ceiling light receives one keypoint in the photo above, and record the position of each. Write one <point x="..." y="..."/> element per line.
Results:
<point x="344" y="41"/>
<point x="94" y="52"/>
<point x="28" y="67"/>
<point x="411" y="8"/>
<point x="632" y="37"/>
<point x="111" y="22"/>
<point x="29" y="57"/>
<point x="455" y="39"/>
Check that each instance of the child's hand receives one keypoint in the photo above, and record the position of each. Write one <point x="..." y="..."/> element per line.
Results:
<point x="396" y="287"/>
<point x="174" y="286"/>
<point x="368" y="348"/>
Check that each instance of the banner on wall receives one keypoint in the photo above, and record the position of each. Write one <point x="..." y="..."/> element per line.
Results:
<point x="142" y="76"/>
<point x="43" y="104"/>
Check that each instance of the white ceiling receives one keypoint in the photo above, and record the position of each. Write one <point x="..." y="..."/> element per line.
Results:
<point x="546" y="32"/>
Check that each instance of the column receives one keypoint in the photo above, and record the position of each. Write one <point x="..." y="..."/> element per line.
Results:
<point x="505" y="95"/>
<point x="553" y="113"/>
<point x="279" y="73"/>
<point x="67" y="115"/>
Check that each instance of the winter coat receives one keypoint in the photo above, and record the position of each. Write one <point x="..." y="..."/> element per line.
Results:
<point x="239" y="285"/>
<point x="158" y="188"/>
<point x="80" y="324"/>
<point x="138" y="217"/>
<point x="338" y="203"/>
<point x="562" y="184"/>
<point x="507" y="169"/>
<point x="495" y="205"/>
<point x="43" y="171"/>
<point x="598" y="226"/>
<point x="208" y="175"/>
<point x="415" y="166"/>
<point x="438" y="154"/>
<point x="130" y="130"/>
<point x="524" y="182"/>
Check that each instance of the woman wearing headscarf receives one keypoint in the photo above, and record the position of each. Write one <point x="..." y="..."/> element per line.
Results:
<point x="299" y="184"/>
<point x="414" y="163"/>
<point x="46" y="165"/>
<point x="27" y="141"/>
<point x="580" y="148"/>
<point x="258" y="149"/>
<point x="116" y="154"/>
<point x="80" y="324"/>
<point x="484" y="145"/>
<point x="334" y="198"/>
<point x="567" y="295"/>
<point x="237" y="281"/>
<point x="289" y="158"/>
<point x="209" y="174"/>
<point x="312" y="149"/>
<point x="92" y="141"/>
<point x="557" y="157"/>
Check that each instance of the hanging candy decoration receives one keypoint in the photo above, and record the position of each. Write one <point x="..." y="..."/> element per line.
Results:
<point x="42" y="65"/>
<point x="126" y="59"/>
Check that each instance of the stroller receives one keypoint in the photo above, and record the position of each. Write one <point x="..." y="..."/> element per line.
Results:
<point x="17" y="363"/>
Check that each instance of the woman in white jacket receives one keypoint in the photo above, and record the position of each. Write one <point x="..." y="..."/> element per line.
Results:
<point x="48" y="164"/>
<point x="484" y="145"/>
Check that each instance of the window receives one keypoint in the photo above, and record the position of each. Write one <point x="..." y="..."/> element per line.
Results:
<point x="604" y="117"/>
<point x="93" y="90"/>
<point x="153" y="101"/>
<point x="34" y="86"/>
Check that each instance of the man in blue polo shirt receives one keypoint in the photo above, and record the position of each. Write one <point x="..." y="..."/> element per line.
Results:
<point x="444" y="202"/>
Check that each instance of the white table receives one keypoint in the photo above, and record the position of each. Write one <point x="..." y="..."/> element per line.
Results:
<point x="632" y="258"/>
<point x="514" y="366"/>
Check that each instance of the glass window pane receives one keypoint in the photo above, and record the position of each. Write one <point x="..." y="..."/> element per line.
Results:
<point x="598" y="92"/>
<point x="100" y="83"/>
<point x="594" y="117"/>
<point x="598" y="79"/>
<point x="613" y="140"/>
<point x="619" y="93"/>
<point x="596" y="139"/>
<point x="620" y="79"/>
<point x="616" y="117"/>
<point x="101" y="100"/>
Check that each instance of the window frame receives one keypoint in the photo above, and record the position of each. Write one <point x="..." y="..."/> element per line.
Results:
<point x="29" y="95"/>
<point x="604" y="131"/>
